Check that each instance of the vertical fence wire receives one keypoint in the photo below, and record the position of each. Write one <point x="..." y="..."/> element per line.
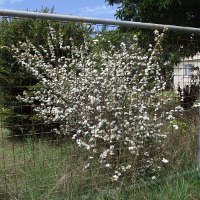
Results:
<point x="88" y="109"/>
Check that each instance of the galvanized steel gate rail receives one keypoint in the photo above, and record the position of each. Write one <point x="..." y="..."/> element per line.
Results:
<point x="47" y="16"/>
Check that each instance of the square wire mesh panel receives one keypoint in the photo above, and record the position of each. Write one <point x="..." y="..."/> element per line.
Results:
<point x="87" y="109"/>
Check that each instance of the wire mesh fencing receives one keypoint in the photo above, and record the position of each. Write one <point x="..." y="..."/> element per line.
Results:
<point x="88" y="110"/>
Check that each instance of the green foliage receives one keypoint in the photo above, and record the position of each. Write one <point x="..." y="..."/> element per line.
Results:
<point x="173" y="12"/>
<point x="14" y="79"/>
<point x="182" y="126"/>
<point x="176" y="12"/>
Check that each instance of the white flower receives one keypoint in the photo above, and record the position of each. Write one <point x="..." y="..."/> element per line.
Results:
<point x="128" y="166"/>
<point x="175" y="126"/>
<point x="74" y="137"/>
<point x="141" y="128"/>
<point x="165" y="160"/>
<point x="131" y="148"/>
<point x="115" y="178"/>
<point x="145" y="118"/>
<point x="86" y="166"/>
<point x="153" y="177"/>
<point x="170" y="117"/>
<point x="95" y="41"/>
<point x="108" y="165"/>
<point x="197" y="105"/>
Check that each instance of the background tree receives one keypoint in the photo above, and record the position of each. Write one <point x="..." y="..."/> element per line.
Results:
<point x="174" y="12"/>
<point x="14" y="79"/>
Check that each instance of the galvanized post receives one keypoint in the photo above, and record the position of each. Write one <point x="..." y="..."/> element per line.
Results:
<point x="47" y="16"/>
<point x="198" y="153"/>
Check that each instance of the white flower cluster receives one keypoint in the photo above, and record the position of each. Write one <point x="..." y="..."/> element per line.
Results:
<point x="103" y="100"/>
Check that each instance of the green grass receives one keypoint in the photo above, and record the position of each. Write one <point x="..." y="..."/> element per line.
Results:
<point x="43" y="169"/>
<point x="169" y="93"/>
<point x="40" y="169"/>
<point x="180" y="186"/>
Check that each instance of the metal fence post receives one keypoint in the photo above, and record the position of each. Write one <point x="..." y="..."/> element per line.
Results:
<point x="198" y="153"/>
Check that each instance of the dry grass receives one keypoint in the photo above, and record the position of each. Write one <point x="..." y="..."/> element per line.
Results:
<point x="40" y="169"/>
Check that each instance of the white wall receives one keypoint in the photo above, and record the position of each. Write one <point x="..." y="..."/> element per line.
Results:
<point x="179" y="76"/>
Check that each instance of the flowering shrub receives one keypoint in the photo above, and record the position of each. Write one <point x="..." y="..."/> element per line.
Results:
<point x="108" y="102"/>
